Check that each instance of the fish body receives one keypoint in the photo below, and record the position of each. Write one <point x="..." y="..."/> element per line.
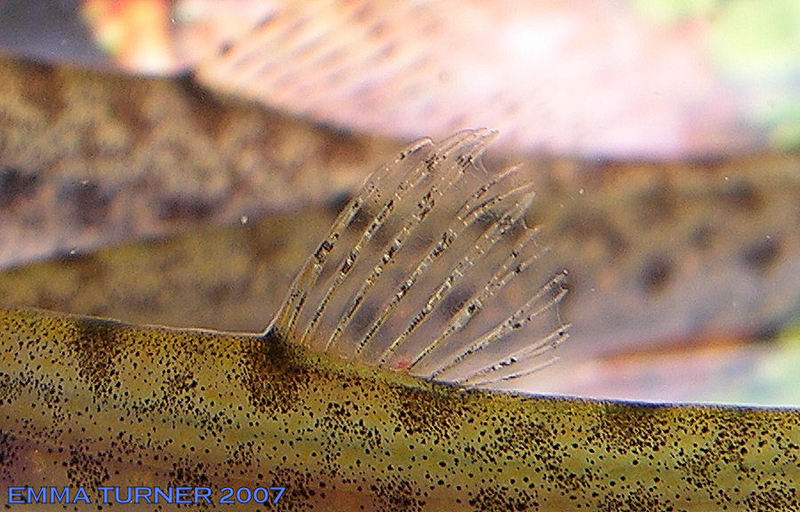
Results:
<point x="89" y="402"/>
<point x="88" y="159"/>
<point x="658" y="252"/>
<point x="368" y="389"/>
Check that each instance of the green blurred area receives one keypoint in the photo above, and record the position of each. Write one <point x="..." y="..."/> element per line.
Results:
<point x="755" y="44"/>
<point x="670" y="11"/>
<point x="772" y="379"/>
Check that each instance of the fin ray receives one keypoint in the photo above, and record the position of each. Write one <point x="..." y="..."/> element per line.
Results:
<point x="478" y="250"/>
<point x="443" y="242"/>
<point x="307" y="277"/>
<point x="444" y="180"/>
<point x="515" y="321"/>
<point x="474" y="305"/>
<point x="403" y="293"/>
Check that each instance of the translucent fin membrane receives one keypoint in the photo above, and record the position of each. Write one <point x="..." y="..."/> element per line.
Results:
<point x="430" y="269"/>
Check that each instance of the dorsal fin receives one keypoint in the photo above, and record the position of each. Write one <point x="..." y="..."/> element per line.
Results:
<point x="430" y="269"/>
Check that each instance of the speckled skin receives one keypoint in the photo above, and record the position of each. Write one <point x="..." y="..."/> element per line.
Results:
<point x="88" y="159"/>
<point x="93" y="402"/>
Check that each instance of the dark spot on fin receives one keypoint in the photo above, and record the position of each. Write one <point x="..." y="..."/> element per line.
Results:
<point x="338" y="202"/>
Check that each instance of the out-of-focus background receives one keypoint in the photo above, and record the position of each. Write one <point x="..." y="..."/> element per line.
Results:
<point x="173" y="162"/>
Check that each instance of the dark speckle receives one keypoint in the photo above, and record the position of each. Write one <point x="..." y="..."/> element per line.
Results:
<point x="742" y="196"/>
<point x="658" y="205"/>
<point x="9" y="453"/>
<point x="300" y="488"/>
<point x="184" y="208"/>
<point x="584" y="227"/>
<point x="95" y="344"/>
<point x="655" y="274"/>
<point x="338" y="202"/>
<point x="634" y="427"/>
<point x="88" y="202"/>
<point x="185" y="473"/>
<point x="397" y="494"/>
<point x="496" y="498"/>
<point x="432" y="414"/>
<point x="702" y="236"/>
<point x="87" y="468"/>
<point x="14" y="185"/>
<point x="274" y="374"/>
<point x="454" y="301"/>
<point x="761" y="254"/>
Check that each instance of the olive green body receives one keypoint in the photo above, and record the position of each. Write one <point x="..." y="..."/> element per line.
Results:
<point x="89" y="402"/>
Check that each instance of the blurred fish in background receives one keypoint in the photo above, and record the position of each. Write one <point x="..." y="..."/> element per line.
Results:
<point x="636" y="79"/>
<point x="663" y="137"/>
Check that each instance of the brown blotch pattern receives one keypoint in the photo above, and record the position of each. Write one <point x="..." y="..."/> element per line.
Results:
<point x="761" y="254"/>
<point x="14" y="185"/>
<point x="655" y="274"/>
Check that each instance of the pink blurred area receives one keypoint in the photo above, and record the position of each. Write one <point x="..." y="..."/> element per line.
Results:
<point x="594" y="78"/>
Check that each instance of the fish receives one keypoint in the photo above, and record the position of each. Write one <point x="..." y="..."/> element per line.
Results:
<point x="367" y="391"/>
<point x="91" y="160"/>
